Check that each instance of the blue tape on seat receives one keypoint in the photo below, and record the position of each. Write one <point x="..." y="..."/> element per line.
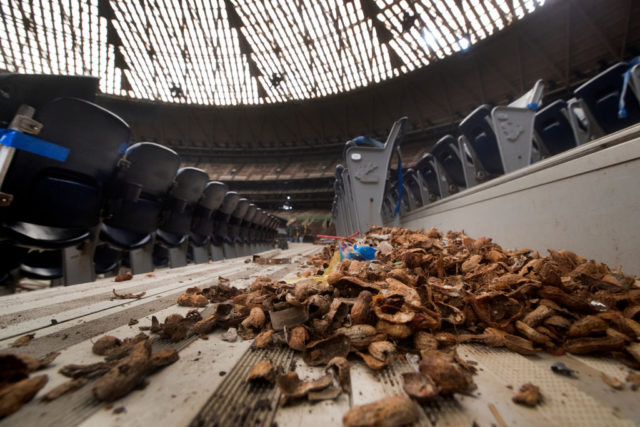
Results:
<point x="40" y="147"/>
<point x="533" y="106"/>
<point x="622" y="111"/>
<point x="400" y="187"/>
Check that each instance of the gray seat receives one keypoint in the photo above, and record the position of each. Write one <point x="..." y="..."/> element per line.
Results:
<point x="202" y="221"/>
<point x="175" y="223"/>
<point x="367" y="168"/>
<point x="221" y="224"/>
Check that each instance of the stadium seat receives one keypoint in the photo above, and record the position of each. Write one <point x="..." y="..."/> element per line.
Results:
<point x="601" y="95"/>
<point x="553" y="129"/>
<point x="428" y="172"/>
<point x="246" y="246"/>
<point x="501" y="137"/>
<point x="107" y="260"/>
<point x="258" y="221"/>
<point x="367" y="167"/>
<point x="477" y="130"/>
<point x="57" y="193"/>
<point x="35" y="90"/>
<point x="143" y="177"/>
<point x="419" y="193"/>
<point x="232" y="242"/>
<point x="472" y="175"/>
<point x="177" y="212"/>
<point x="446" y="152"/>
<point x="202" y="221"/>
<point x="220" y="224"/>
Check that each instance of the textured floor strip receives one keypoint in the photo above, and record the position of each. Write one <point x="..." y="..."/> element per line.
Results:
<point x="74" y="408"/>
<point x="236" y="402"/>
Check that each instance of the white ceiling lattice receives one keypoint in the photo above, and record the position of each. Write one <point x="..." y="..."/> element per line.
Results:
<point x="232" y="52"/>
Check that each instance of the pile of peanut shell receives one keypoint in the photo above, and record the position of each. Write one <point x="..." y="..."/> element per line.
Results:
<point x="425" y="292"/>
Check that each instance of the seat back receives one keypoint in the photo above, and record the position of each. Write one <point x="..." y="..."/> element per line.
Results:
<point x="66" y="194"/>
<point x="247" y="223"/>
<point x="478" y="131"/>
<point x="212" y="197"/>
<point x="237" y="217"/>
<point x="143" y="177"/>
<point x="553" y="128"/>
<point x="36" y="90"/>
<point x="223" y="214"/>
<point x="182" y="197"/>
<point x="446" y="152"/>
<point x="413" y="184"/>
<point x="426" y="168"/>
<point x="367" y="169"/>
<point x="602" y="93"/>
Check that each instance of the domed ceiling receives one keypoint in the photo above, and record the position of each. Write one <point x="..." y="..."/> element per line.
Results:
<point x="235" y="52"/>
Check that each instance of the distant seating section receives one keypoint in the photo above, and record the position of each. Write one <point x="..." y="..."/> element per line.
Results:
<point x="300" y="169"/>
<point x="76" y="199"/>
<point x="492" y="141"/>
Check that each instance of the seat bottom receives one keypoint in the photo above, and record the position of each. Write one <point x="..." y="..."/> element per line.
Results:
<point x="41" y="236"/>
<point x="123" y="239"/>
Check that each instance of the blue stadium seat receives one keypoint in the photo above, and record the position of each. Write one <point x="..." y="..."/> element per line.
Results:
<point x="553" y="129"/>
<point x="427" y="170"/>
<point x="220" y="224"/>
<point x="419" y="193"/>
<point x="57" y="201"/>
<point x="136" y="196"/>
<point x="175" y="218"/>
<point x="476" y="128"/>
<point x="202" y="222"/>
<point x="446" y="153"/>
<point x="36" y="90"/>
<point x="246" y="247"/>
<point x="55" y="204"/>
<point x="601" y="94"/>
<point x="233" y="241"/>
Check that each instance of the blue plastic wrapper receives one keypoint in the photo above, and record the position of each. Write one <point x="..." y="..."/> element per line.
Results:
<point x="366" y="252"/>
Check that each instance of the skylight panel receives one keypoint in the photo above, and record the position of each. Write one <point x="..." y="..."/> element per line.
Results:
<point x="188" y="51"/>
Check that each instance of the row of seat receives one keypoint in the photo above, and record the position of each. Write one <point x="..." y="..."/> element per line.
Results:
<point x="77" y="200"/>
<point x="493" y="141"/>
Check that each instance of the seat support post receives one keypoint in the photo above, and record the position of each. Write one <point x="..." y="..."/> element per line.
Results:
<point x="141" y="259"/>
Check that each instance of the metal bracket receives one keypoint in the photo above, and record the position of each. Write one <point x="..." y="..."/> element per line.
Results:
<point x="25" y="124"/>
<point x="5" y="199"/>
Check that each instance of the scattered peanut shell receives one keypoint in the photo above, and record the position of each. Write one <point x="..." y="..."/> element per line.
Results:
<point x="14" y="395"/>
<point x="394" y="330"/>
<point x="292" y="387"/>
<point x="419" y="386"/>
<point x="298" y="338"/>
<point x="192" y="300"/>
<point x="448" y="375"/>
<point x="528" y="395"/>
<point x="64" y="388"/>
<point x="264" y="339"/>
<point x="321" y="352"/>
<point x="614" y="383"/>
<point x="393" y="411"/>
<point x="588" y="325"/>
<point x="104" y="344"/>
<point x="341" y="368"/>
<point x="361" y="309"/>
<point x="23" y="340"/>
<point x="382" y="350"/>
<point x="262" y="372"/>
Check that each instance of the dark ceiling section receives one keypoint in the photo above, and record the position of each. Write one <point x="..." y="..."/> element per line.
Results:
<point x="563" y="43"/>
